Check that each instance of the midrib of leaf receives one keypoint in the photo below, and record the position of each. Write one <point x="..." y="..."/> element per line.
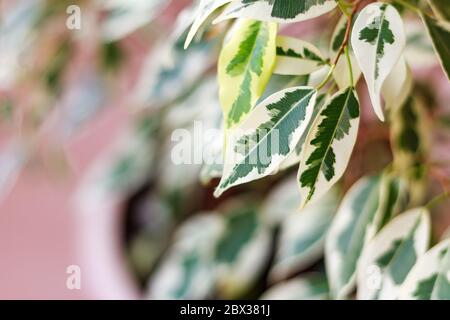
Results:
<point x="377" y="61"/>
<point x="276" y="125"/>
<point x="247" y="71"/>
<point x="311" y="193"/>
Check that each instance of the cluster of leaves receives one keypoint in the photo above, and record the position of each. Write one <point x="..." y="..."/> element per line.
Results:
<point x="365" y="238"/>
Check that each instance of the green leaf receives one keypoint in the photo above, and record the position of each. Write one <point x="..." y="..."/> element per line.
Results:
<point x="378" y="41"/>
<point x="440" y="36"/>
<point x="297" y="57"/>
<point x="388" y="258"/>
<point x="311" y="286"/>
<point x="282" y="11"/>
<point x="245" y="66"/>
<point x="302" y="237"/>
<point x="429" y="279"/>
<point x="267" y="137"/>
<point x="334" y="130"/>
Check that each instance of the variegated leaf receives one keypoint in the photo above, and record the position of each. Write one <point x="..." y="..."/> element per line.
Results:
<point x="295" y="157"/>
<point x="364" y="209"/>
<point x="429" y="279"/>
<point x="378" y="41"/>
<point x="440" y="36"/>
<point x="204" y="10"/>
<point x="282" y="11"/>
<point x="297" y="57"/>
<point x="398" y="85"/>
<point x="341" y="71"/>
<point x="309" y="287"/>
<point x="441" y="8"/>
<point x="245" y="66"/>
<point x="243" y="250"/>
<point x="329" y="145"/>
<point x="388" y="258"/>
<point x="410" y="140"/>
<point x="302" y="237"/>
<point x="258" y="146"/>
<point x="187" y="270"/>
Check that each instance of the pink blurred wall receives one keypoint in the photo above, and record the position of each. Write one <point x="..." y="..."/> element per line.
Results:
<point x="38" y="238"/>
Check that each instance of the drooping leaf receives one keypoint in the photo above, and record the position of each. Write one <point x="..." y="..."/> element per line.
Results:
<point x="308" y="287"/>
<point x="441" y="9"/>
<point x="297" y="57"/>
<point x="204" y="10"/>
<point x="429" y="279"/>
<point x="440" y="36"/>
<point x="302" y="237"/>
<point x="282" y="11"/>
<point x="245" y="66"/>
<point x="341" y="72"/>
<point x="388" y="258"/>
<point x="329" y="145"/>
<point x="378" y="41"/>
<point x="187" y="270"/>
<point x="258" y="146"/>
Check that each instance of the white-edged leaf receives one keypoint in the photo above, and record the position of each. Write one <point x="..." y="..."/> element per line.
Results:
<point x="348" y="233"/>
<point x="258" y="146"/>
<point x="429" y="279"/>
<point x="302" y="237"/>
<point x="364" y="209"/>
<point x="242" y="251"/>
<point x="310" y="286"/>
<point x="297" y="57"/>
<point x="187" y="270"/>
<point x="204" y="10"/>
<point x="329" y="145"/>
<point x="282" y="11"/>
<point x="398" y="85"/>
<point x="440" y="36"/>
<point x="378" y="40"/>
<point x="245" y="65"/>
<point x="388" y="258"/>
<point x="341" y="72"/>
